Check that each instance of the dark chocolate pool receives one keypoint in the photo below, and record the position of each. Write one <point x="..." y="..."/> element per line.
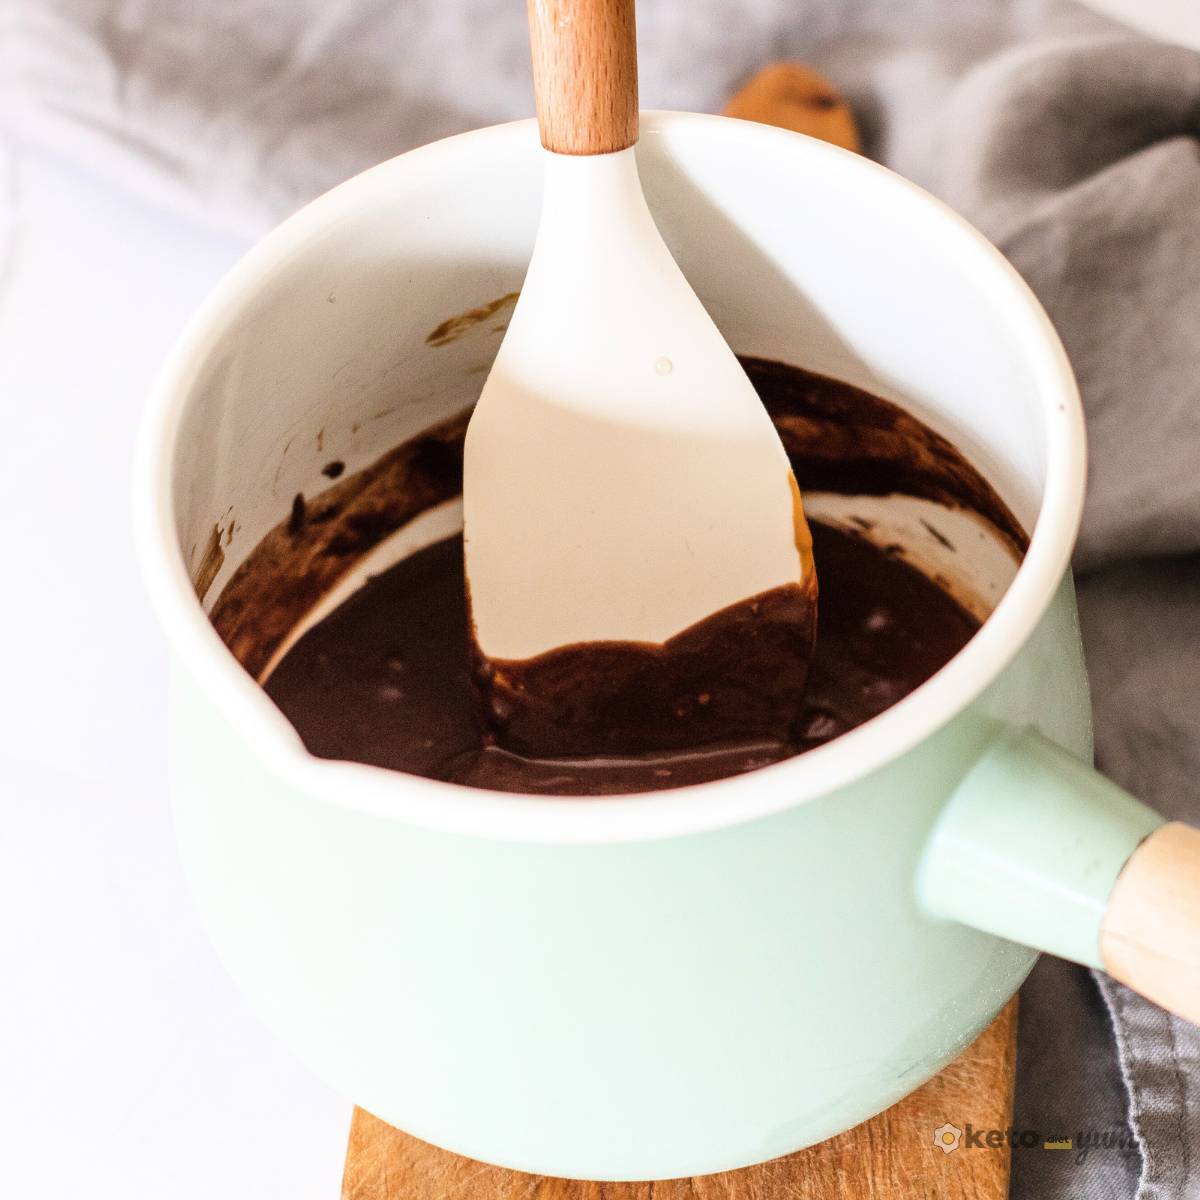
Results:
<point x="386" y="678"/>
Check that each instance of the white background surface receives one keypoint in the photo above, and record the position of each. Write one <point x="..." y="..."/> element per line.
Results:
<point x="129" y="1066"/>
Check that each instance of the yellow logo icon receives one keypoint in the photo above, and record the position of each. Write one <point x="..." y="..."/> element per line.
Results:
<point x="1057" y="1144"/>
<point x="947" y="1138"/>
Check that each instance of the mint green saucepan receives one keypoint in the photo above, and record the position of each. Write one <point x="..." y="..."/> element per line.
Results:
<point x="669" y="984"/>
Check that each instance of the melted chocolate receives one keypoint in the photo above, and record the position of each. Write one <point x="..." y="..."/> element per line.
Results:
<point x="301" y="559"/>
<point x="843" y="439"/>
<point x="738" y="675"/>
<point x="386" y="678"/>
<point x="838" y="437"/>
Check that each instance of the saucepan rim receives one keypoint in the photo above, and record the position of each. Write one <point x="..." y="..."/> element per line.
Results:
<point x="453" y="808"/>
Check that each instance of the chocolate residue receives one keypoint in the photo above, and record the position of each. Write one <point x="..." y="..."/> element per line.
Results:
<point x="211" y="562"/>
<point x="938" y="535"/>
<point x="736" y="676"/>
<point x="843" y="439"/>
<point x="802" y="535"/>
<point x="287" y="573"/>
<point x="331" y="470"/>
<point x="840" y="439"/>
<point x="454" y="327"/>
<point x="298" y="516"/>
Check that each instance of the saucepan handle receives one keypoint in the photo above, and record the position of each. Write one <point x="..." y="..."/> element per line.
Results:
<point x="1038" y="847"/>
<point x="585" y="74"/>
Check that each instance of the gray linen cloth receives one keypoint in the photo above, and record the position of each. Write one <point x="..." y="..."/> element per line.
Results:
<point x="1073" y="145"/>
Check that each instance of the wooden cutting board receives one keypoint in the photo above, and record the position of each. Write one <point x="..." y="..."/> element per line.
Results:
<point x="891" y="1157"/>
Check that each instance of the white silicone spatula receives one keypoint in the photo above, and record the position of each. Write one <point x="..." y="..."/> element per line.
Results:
<point x="622" y="479"/>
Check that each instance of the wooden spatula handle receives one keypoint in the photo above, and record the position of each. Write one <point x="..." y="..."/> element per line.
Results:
<point x="585" y="74"/>
<point x="1150" y="938"/>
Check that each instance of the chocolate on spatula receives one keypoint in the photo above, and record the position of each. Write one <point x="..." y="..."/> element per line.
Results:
<point x="625" y="496"/>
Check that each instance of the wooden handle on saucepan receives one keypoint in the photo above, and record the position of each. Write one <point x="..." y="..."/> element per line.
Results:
<point x="585" y="74"/>
<point x="1150" y="938"/>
